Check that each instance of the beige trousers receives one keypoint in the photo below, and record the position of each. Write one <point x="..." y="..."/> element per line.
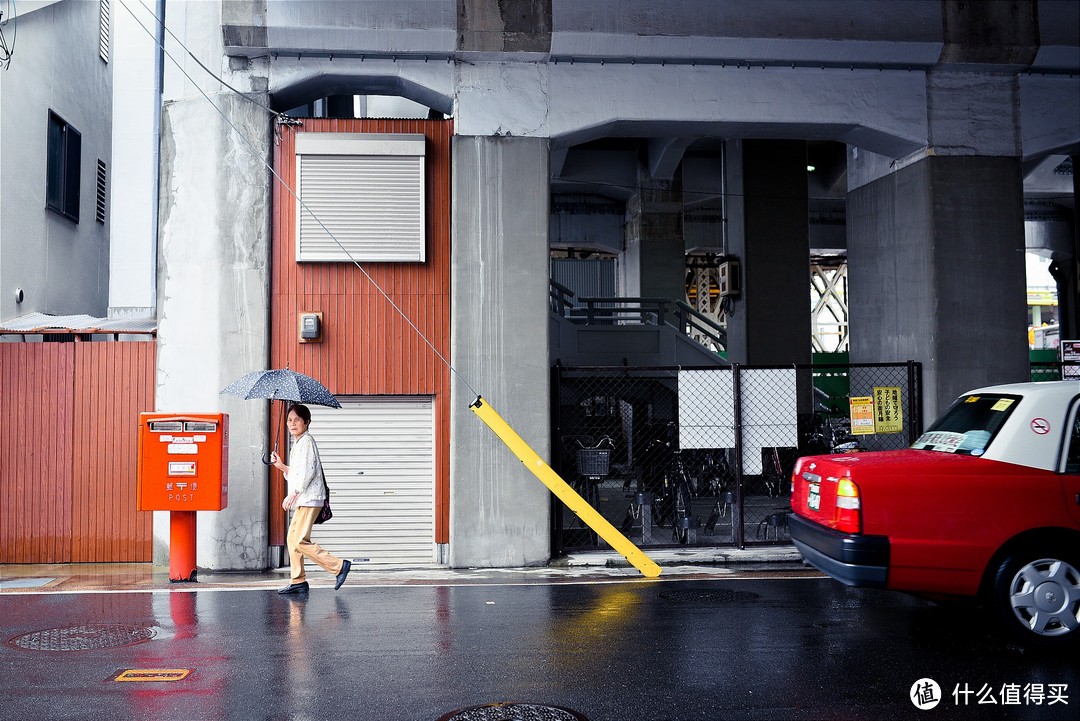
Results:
<point x="301" y="545"/>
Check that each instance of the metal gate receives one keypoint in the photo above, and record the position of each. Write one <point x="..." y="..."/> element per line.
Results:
<point x="703" y="456"/>
<point x="379" y="459"/>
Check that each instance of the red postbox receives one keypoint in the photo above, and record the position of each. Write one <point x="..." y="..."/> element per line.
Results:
<point x="183" y="468"/>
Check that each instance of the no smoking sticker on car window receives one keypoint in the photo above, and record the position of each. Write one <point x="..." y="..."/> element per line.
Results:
<point x="1040" y="426"/>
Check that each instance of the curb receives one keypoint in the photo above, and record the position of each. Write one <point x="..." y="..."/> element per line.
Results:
<point x="676" y="557"/>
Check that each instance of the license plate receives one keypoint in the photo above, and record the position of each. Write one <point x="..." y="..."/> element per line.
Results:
<point x="813" y="498"/>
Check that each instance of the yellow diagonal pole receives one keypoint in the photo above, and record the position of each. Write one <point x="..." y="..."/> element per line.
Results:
<point x="563" y="491"/>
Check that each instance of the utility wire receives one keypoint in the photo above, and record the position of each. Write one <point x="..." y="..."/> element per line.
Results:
<point x="208" y="71"/>
<point x="298" y="199"/>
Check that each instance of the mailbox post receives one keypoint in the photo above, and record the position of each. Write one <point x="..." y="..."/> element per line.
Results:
<point x="183" y="468"/>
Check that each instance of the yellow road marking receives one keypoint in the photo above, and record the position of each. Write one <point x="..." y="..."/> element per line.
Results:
<point x="153" y="674"/>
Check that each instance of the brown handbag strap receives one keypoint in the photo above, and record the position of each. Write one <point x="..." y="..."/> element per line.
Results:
<point x="322" y="472"/>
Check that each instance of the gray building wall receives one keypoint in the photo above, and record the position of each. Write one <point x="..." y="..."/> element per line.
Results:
<point x="213" y="301"/>
<point x="61" y="266"/>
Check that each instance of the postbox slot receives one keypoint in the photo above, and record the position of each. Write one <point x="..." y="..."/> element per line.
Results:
<point x="200" y="427"/>
<point x="166" y="426"/>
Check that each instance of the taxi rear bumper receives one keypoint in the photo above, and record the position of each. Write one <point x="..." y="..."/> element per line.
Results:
<point x="851" y="558"/>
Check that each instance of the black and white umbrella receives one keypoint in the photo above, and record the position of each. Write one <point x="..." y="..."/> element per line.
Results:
<point x="283" y="385"/>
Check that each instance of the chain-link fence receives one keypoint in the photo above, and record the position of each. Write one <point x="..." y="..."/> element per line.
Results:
<point x="703" y="456"/>
<point x="1055" y="371"/>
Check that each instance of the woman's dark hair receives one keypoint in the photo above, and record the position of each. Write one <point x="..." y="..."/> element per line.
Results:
<point x="301" y="411"/>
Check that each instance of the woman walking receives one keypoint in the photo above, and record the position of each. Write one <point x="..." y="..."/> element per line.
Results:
<point x="306" y="491"/>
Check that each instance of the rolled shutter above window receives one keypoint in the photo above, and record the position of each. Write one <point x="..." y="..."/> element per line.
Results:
<point x="361" y="196"/>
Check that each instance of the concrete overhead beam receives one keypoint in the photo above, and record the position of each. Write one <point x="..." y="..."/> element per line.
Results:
<point x="295" y="82"/>
<point x="665" y="154"/>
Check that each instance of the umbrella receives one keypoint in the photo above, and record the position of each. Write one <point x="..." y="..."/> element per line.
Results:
<point x="281" y="385"/>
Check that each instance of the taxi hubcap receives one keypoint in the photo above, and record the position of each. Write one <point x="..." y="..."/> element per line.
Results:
<point x="1045" y="596"/>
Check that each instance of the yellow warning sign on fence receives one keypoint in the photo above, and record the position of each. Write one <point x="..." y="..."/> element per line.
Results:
<point x="862" y="416"/>
<point x="888" y="410"/>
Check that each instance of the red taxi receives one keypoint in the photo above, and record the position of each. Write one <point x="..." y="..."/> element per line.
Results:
<point x="986" y="503"/>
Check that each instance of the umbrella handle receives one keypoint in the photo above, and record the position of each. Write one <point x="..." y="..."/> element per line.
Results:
<point x="266" y="459"/>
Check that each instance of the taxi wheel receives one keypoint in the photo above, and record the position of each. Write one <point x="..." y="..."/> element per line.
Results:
<point x="1037" y="597"/>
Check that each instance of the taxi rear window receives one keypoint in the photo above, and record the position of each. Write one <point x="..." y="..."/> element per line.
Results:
<point x="969" y="425"/>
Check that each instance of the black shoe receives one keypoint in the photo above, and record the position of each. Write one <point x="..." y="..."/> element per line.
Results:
<point x="345" y="566"/>
<point x="295" y="588"/>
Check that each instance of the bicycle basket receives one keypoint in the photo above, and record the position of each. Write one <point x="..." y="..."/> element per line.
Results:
<point x="594" y="461"/>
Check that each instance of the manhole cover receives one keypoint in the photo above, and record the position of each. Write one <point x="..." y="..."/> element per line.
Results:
<point x="513" y="712"/>
<point x="710" y="596"/>
<point x="83" y="638"/>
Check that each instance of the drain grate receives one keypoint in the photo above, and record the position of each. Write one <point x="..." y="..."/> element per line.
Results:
<point x="513" y="712"/>
<point x="709" y="596"/>
<point x="83" y="638"/>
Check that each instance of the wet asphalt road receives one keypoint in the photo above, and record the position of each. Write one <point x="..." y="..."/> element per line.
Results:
<point x="648" y="651"/>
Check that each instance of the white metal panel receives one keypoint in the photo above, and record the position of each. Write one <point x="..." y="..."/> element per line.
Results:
<point x="387" y="514"/>
<point x="769" y="413"/>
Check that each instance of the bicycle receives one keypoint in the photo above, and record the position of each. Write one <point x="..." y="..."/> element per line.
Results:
<point x="830" y="434"/>
<point x="682" y="499"/>
<point x="593" y="465"/>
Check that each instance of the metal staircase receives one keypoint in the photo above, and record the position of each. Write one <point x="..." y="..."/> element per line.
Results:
<point x="630" y="331"/>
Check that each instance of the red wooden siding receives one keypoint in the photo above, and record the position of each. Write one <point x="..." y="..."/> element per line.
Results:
<point x="67" y="451"/>
<point x="114" y="382"/>
<point x="35" y="452"/>
<point x="368" y="348"/>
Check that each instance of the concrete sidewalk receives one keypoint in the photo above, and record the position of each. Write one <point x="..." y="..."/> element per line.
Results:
<point x="592" y="567"/>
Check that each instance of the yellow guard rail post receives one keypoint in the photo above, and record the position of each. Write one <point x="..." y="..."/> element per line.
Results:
<point x="562" y="489"/>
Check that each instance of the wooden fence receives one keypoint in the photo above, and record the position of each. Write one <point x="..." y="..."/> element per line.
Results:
<point x="68" y="443"/>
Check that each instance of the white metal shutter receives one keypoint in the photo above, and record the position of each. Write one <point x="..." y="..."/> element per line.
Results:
<point x="386" y="515"/>
<point x="363" y="197"/>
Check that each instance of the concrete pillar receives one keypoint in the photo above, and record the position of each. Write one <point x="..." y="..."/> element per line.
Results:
<point x="654" y="262"/>
<point x="936" y="263"/>
<point x="213" y="300"/>
<point x="769" y="234"/>
<point x="936" y="244"/>
<point x="1065" y="271"/>
<point x="499" y="512"/>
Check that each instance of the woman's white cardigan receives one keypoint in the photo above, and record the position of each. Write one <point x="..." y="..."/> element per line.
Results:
<point x="305" y="474"/>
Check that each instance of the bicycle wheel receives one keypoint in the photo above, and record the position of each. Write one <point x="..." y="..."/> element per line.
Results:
<point x="680" y="527"/>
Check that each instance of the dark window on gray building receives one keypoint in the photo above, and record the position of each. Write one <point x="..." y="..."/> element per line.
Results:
<point x="63" y="168"/>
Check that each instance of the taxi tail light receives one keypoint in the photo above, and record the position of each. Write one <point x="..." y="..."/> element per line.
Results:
<point x="848" y="507"/>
